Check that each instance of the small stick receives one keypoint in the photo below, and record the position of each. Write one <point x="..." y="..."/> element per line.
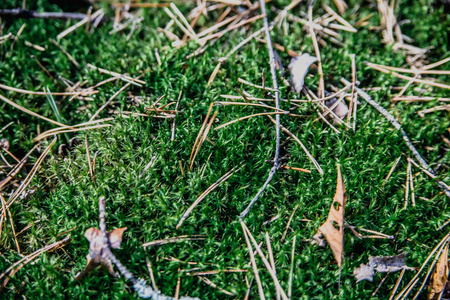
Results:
<point x="397" y="125"/>
<point x="247" y="295"/>
<point x="23" y="13"/>
<point x="287" y="225"/>
<point x="251" y="116"/>
<point x="428" y="82"/>
<point x="253" y="262"/>
<point x="204" y="194"/>
<point x="248" y="104"/>
<point x="392" y="169"/>
<point x="316" y="49"/>
<point x="177" y="288"/>
<point x="411" y="71"/>
<point x="93" y="164"/>
<point x="255" y="85"/>
<point x="272" y="63"/>
<point x="173" y="240"/>
<point x="12" y="227"/>
<point x="272" y="262"/>
<point x="4" y="216"/>
<point x="197" y="140"/>
<point x="140" y="5"/>
<point x="411" y="179"/>
<point x="172" y="137"/>
<point x="83" y="93"/>
<point x="29" y="111"/>
<point x="135" y="81"/>
<point x="352" y="98"/>
<point x="45" y="135"/>
<point x="417" y="99"/>
<point x="150" y="271"/>
<point x="408" y="170"/>
<point x="79" y="24"/>
<point x="397" y="284"/>
<point x="55" y="130"/>
<point x="147" y="166"/>
<point x="202" y="140"/>
<point x="381" y="283"/>
<point x="264" y="259"/>
<point x="109" y="101"/>
<point x="296" y="169"/>
<point x="292" y="268"/>
<point x="88" y="155"/>
<point x="313" y="160"/>
<point x="436" y="64"/>
<point x="70" y="57"/>
<point x="212" y="284"/>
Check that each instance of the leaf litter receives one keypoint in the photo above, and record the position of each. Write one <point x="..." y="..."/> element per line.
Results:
<point x="333" y="228"/>
<point x="381" y="264"/>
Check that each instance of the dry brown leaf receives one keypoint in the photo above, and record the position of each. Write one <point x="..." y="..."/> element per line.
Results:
<point x="333" y="228"/>
<point x="96" y="256"/>
<point x="381" y="264"/>
<point x="439" y="279"/>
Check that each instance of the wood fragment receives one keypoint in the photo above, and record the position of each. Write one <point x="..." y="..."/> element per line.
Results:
<point x="287" y="225"/>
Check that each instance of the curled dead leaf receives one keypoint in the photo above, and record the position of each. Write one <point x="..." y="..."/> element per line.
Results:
<point x="439" y="279"/>
<point x="299" y="68"/>
<point x="333" y="228"/>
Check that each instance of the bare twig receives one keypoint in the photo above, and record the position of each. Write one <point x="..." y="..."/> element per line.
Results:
<point x="276" y="163"/>
<point x="397" y="125"/>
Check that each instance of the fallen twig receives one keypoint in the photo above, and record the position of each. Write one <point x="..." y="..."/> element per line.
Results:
<point x="397" y="125"/>
<point x="276" y="163"/>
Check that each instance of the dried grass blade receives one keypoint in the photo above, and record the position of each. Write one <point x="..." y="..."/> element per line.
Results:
<point x="29" y="111"/>
<point x="204" y="194"/>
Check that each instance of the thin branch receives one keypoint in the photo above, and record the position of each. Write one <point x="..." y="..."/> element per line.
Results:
<point x="28" y="14"/>
<point x="272" y="62"/>
<point x="397" y="125"/>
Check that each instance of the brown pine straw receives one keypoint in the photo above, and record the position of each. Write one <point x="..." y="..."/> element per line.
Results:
<point x="29" y="111"/>
<point x="22" y="262"/>
<point x="30" y="176"/>
<point x="204" y="194"/>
